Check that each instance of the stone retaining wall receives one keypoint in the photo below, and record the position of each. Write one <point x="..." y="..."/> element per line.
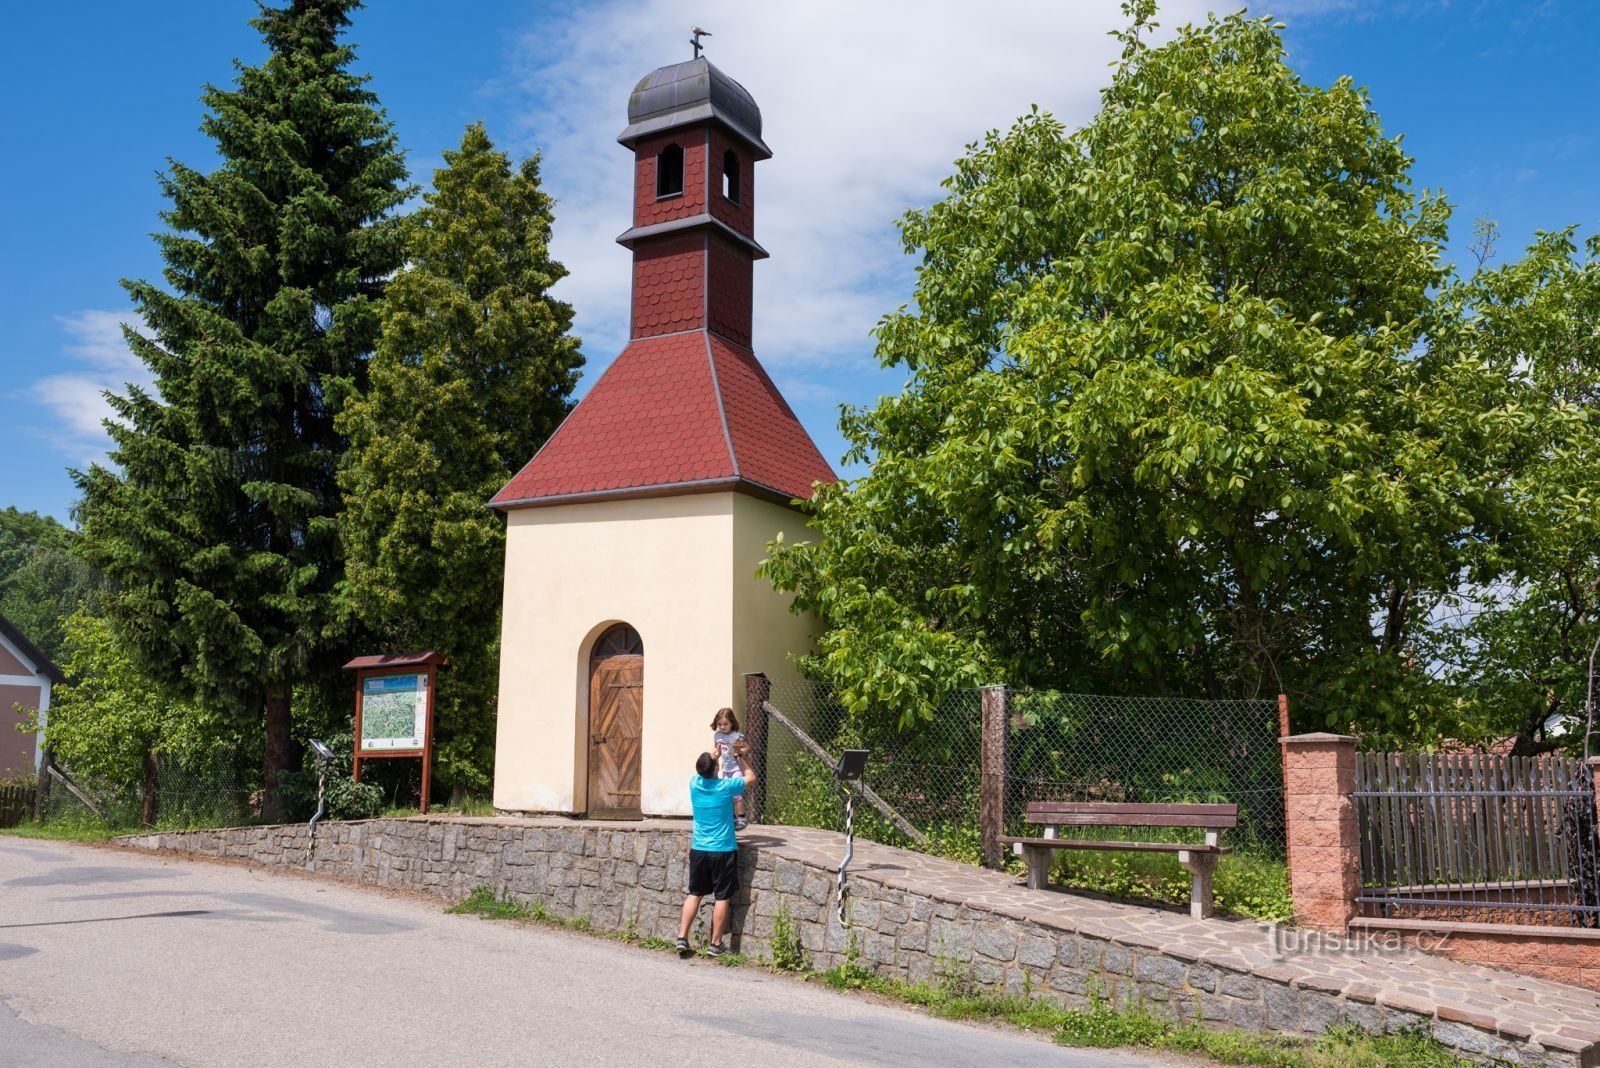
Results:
<point x="917" y="919"/>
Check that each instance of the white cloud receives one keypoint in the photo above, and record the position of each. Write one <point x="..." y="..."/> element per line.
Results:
<point x="866" y="107"/>
<point x="76" y="398"/>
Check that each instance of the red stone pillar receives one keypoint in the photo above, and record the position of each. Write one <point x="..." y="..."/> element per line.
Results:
<point x="1324" y="855"/>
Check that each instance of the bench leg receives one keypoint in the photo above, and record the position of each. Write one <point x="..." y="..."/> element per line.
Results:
<point x="1038" y="859"/>
<point x="1200" y="867"/>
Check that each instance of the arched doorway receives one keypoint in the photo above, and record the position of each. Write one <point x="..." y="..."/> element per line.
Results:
<point x="616" y="716"/>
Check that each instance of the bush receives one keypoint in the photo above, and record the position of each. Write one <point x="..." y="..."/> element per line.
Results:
<point x="346" y="799"/>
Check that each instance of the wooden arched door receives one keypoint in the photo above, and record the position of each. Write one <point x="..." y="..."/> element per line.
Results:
<point x="616" y="719"/>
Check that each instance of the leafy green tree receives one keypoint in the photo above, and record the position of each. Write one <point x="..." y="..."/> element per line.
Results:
<point x="109" y="721"/>
<point x="473" y="372"/>
<point x="219" y="521"/>
<point x="1165" y="428"/>
<point x="42" y="580"/>
<point x="1517" y="654"/>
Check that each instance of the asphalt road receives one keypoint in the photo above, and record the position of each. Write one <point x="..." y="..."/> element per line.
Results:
<point x="126" y="959"/>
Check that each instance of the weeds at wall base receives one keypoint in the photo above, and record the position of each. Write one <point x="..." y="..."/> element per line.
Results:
<point x="1101" y="1024"/>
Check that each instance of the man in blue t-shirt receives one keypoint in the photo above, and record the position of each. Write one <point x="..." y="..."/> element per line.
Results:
<point x="713" y="851"/>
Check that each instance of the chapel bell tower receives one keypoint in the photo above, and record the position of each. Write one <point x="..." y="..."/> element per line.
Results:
<point x="631" y="608"/>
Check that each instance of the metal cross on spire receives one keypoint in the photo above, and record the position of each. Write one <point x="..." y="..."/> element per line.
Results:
<point x="697" y="33"/>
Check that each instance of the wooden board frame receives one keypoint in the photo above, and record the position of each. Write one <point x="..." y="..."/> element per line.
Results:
<point x="369" y="667"/>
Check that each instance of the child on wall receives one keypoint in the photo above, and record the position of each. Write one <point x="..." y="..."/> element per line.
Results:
<point x="725" y="732"/>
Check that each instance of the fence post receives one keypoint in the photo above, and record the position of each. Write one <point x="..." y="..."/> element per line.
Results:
<point x="992" y="791"/>
<point x="1594" y="774"/>
<point x="41" y="786"/>
<point x="757" y="691"/>
<point x="1324" y="853"/>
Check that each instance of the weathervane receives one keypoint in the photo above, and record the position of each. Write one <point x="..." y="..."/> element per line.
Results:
<point x="697" y="33"/>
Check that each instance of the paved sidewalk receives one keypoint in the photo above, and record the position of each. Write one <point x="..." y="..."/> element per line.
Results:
<point x="1517" y="1007"/>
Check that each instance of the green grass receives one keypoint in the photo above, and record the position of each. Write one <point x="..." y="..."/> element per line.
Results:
<point x="486" y="904"/>
<point x="66" y="831"/>
<point x="1244" y="884"/>
<point x="472" y="806"/>
<point x="1106" y="1026"/>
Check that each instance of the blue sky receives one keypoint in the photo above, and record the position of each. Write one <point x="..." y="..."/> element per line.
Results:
<point x="865" y="107"/>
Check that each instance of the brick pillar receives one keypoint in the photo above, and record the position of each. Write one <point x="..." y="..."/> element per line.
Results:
<point x="992" y="787"/>
<point x="757" y="691"/>
<point x="1324" y="856"/>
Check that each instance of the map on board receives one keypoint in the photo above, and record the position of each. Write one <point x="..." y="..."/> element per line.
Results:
<point x="394" y="711"/>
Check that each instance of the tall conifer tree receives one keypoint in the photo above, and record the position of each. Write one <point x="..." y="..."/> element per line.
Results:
<point x="473" y="372"/>
<point x="220" y="523"/>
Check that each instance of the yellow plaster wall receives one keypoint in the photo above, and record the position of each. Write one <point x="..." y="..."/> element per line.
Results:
<point x="681" y="571"/>
<point x="766" y="635"/>
<point x="659" y="564"/>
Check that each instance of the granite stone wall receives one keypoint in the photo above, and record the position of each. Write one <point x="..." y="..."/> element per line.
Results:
<point x="632" y="877"/>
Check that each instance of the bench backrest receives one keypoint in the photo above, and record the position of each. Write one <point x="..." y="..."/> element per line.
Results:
<point x="1108" y="814"/>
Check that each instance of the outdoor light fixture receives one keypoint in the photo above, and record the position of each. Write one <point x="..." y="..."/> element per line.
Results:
<point x="324" y="754"/>
<point x="852" y="764"/>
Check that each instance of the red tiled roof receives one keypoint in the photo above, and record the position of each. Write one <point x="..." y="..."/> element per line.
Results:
<point x="770" y="447"/>
<point x="674" y="411"/>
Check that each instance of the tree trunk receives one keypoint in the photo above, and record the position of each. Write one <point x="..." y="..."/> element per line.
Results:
<point x="152" y="785"/>
<point x="277" y="753"/>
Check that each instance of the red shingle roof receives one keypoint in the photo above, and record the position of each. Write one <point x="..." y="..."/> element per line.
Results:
<point x="678" y="411"/>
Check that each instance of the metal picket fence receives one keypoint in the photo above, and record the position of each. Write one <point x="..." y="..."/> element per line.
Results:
<point x="1478" y="837"/>
<point x="1058" y="747"/>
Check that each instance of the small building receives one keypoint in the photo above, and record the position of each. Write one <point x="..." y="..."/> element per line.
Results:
<point x="632" y="608"/>
<point x="26" y="676"/>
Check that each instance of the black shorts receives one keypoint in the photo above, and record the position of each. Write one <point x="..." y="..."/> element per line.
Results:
<point x="716" y="874"/>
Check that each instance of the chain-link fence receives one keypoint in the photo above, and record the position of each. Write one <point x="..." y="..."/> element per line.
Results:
<point x="1058" y="747"/>
<point x="207" y="793"/>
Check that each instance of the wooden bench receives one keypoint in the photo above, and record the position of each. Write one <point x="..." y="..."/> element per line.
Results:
<point x="1198" y="858"/>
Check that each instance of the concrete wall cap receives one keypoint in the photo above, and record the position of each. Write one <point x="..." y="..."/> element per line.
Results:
<point x="1317" y="738"/>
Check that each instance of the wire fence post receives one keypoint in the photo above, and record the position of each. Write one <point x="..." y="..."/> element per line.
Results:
<point x="41" y="788"/>
<point x="757" y="692"/>
<point x="992" y="762"/>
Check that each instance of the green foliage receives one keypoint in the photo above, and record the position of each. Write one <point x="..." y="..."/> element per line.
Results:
<point x="787" y="954"/>
<point x="218" y="521"/>
<point x="1519" y="657"/>
<point x="472" y="373"/>
<point x="1165" y="427"/>
<point x="345" y="798"/>
<point x="1243" y="885"/>
<point x="42" y="580"/>
<point x="850" y="973"/>
<point x="109" y="716"/>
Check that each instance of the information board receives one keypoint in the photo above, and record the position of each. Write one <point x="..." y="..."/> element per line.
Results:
<point x="394" y="712"/>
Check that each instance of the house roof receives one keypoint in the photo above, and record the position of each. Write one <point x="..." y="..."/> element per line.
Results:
<point x="678" y="413"/>
<point x="40" y="662"/>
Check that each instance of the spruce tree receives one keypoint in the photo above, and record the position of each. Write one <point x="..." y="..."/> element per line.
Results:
<point x="472" y="373"/>
<point x="219" y="522"/>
